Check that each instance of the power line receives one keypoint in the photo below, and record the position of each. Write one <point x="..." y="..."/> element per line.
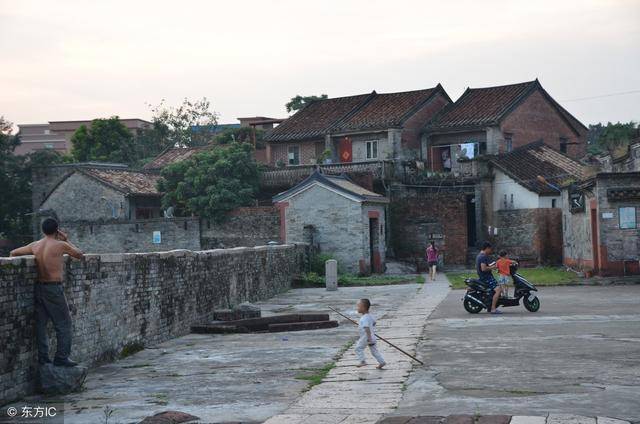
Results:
<point x="620" y="93"/>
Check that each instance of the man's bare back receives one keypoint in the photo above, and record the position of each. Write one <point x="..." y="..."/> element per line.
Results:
<point x="49" y="252"/>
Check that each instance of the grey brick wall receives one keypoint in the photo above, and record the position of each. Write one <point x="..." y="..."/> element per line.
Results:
<point x="134" y="236"/>
<point x="247" y="226"/>
<point x="117" y="300"/>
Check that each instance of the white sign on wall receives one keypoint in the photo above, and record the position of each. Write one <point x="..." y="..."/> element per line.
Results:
<point x="157" y="237"/>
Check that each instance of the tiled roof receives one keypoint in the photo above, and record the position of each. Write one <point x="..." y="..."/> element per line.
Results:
<point x="526" y="163"/>
<point x="482" y="106"/>
<point x="173" y="155"/>
<point x="317" y="118"/>
<point x="125" y="181"/>
<point x="339" y="183"/>
<point x="387" y="110"/>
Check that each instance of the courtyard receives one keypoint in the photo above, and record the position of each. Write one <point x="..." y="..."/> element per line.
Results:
<point x="579" y="354"/>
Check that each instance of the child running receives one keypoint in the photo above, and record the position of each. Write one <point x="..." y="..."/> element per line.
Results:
<point x="504" y="272"/>
<point x="366" y="328"/>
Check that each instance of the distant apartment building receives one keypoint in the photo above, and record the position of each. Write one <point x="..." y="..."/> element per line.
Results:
<point x="56" y="135"/>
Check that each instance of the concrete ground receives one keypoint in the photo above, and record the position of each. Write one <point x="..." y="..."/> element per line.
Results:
<point x="580" y="354"/>
<point x="226" y="378"/>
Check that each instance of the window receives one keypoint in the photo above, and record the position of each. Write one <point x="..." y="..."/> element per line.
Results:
<point x="47" y="132"/>
<point x="48" y="145"/>
<point x="511" y="202"/>
<point x="563" y="144"/>
<point x="505" y="205"/>
<point x="294" y="155"/>
<point x="553" y="203"/>
<point x="372" y="149"/>
<point x="508" y="142"/>
<point x="627" y="217"/>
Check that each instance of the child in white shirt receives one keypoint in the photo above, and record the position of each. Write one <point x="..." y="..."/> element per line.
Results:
<point x="366" y="328"/>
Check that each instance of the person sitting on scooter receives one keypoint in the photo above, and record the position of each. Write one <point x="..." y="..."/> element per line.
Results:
<point x="484" y="265"/>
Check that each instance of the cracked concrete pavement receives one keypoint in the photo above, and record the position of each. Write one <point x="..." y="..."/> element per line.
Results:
<point x="580" y="354"/>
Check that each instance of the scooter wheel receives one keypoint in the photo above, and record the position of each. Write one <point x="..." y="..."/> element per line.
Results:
<point x="471" y="306"/>
<point x="533" y="305"/>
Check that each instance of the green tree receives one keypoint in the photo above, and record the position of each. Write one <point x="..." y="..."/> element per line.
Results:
<point x="105" y="140"/>
<point x="15" y="180"/>
<point x="298" y="102"/>
<point x="190" y="124"/>
<point x="241" y="135"/>
<point x="211" y="183"/>
<point x="608" y="138"/>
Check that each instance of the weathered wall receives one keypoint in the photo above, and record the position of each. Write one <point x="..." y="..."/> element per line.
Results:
<point x="619" y="248"/>
<point x="533" y="235"/>
<point x="413" y="126"/>
<point x="337" y="222"/>
<point x="122" y="300"/>
<point x="535" y="119"/>
<point x="310" y="151"/>
<point x="133" y="236"/>
<point x="249" y="226"/>
<point x="79" y="197"/>
<point x="576" y="235"/>
<point x="415" y="213"/>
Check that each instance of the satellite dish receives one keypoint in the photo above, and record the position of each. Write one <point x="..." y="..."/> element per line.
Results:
<point x="168" y="213"/>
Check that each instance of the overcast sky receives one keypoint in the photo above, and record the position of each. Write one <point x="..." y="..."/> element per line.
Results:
<point x="64" y="60"/>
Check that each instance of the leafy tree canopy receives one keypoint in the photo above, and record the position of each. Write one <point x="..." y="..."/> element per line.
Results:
<point x="190" y="124"/>
<point x="298" y="102"/>
<point x="105" y="140"/>
<point x="240" y="135"/>
<point x="211" y="183"/>
<point x="608" y="138"/>
<point x="15" y="180"/>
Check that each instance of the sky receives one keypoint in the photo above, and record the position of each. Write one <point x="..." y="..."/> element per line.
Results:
<point x="71" y="60"/>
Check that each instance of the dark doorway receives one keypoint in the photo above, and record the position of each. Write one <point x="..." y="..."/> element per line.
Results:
<point x="374" y="241"/>
<point x="471" y="221"/>
<point x="594" y="240"/>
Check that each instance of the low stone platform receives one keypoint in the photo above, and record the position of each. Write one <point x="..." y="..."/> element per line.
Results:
<point x="272" y="324"/>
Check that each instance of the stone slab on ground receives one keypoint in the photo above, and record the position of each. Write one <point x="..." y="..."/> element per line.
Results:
<point x="55" y="380"/>
<point x="227" y="378"/>
<point x="528" y="419"/>
<point x="500" y="419"/>
<point x="367" y="394"/>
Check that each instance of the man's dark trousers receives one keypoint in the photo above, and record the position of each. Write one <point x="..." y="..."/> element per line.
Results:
<point x="50" y="303"/>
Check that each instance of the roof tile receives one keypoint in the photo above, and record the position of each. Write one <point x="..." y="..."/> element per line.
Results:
<point x="526" y="163"/>
<point x="125" y="181"/>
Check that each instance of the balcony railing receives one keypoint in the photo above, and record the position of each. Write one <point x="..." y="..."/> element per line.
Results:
<point x="291" y="175"/>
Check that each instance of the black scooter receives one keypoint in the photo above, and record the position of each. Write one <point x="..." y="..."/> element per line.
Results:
<point x="479" y="295"/>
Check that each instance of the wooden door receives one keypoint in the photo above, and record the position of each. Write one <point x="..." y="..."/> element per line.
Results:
<point x="344" y="150"/>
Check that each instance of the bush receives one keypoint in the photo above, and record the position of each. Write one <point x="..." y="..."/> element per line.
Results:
<point x="317" y="262"/>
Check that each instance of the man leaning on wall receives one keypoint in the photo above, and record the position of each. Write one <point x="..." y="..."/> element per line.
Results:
<point x="49" y="299"/>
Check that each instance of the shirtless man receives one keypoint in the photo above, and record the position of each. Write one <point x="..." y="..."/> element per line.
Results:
<point x="49" y="300"/>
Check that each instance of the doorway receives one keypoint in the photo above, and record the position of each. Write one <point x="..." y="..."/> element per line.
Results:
<point x="471" y="221"/>
<point x="374" y="249"/>
<point x="594" y="240"/>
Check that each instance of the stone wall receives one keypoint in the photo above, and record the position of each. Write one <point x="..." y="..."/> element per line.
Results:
<point x="532" y="235"/>
<point x="119" y="301"/>
<point x="417" y="213"/>
<point x="249" y="226"/>
<point x="134" y="236"/>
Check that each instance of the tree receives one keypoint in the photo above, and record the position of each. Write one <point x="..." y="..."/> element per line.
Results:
<point x="15" y="180"/>
<point x="241" y="135"/>
<point x="190" y="124"/>
<point x="608" y="138"/>
<point x="298" y="102"/>
<point x="211" y="183"/>
<point x="105" y="140"/>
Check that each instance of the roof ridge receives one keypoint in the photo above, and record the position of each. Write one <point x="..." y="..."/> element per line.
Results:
<point x="505" y="85"/>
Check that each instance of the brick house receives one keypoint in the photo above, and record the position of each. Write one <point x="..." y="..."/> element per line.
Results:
<point x="600" y="224"/>
<point x="339" y="217"/>
<point x="522" y="206"/>
<point x="496" y="120"/>
<point x="361" y="128"/>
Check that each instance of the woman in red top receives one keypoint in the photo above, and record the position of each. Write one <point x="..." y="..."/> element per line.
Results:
<point x="432" y="259"/>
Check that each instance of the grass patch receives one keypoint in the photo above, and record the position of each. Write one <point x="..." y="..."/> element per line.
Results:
<point x="539" y="276"/>
<point x="136" y="366"/>
<point x="131" y="348"/>
<point x="312" y="279"/>
<point x="315" y="375"/>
